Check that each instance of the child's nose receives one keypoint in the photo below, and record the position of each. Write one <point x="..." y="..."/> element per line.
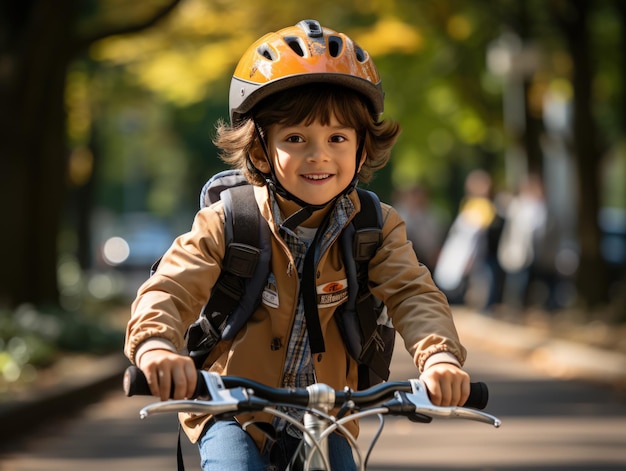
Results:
<point x="317" y="152"/>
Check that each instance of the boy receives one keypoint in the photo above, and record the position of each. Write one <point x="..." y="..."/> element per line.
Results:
<point x="305" y="107"/>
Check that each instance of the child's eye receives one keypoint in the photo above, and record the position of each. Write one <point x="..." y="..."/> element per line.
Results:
<point x="294" y="139"/>
<point x="337" y="139"/>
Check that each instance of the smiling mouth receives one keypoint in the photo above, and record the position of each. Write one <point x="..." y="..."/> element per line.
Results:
<point x="318" y="177"/>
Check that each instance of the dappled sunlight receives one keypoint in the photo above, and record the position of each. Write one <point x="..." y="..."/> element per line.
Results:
<point x="459" y="27"/>
<point x="390" y="35"/>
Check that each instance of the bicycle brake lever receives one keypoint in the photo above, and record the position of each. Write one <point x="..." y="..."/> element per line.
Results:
<point x="220" y="400"/>
<point x="419" y="398"/>
<point x="400" y="405"/>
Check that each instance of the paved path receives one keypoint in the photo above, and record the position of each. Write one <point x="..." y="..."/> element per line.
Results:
<point x="548" y="425"/>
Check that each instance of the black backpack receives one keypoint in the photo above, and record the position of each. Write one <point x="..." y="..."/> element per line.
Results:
<point x="362" y="319"/>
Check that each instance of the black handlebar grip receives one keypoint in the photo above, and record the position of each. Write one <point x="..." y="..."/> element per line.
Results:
<point x="136" y="384"/>
<point x="479" y="396"/>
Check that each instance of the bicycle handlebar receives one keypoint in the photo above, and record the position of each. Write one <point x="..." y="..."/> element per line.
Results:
<point x="135" y="383"/>
<point x="226" y="396"/>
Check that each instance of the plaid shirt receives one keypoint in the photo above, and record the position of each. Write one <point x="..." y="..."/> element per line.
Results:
<point x="299" y="371"/>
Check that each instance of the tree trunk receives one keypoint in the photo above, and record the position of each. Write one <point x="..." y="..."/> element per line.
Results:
<point x="620" y="5"/>
<point x="32" y="180"/>
<point x="592" y="273"/>
<point x="533" y="125"/>
<point x="37" y="44"/>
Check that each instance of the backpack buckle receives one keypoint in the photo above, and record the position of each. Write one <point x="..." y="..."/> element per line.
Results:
<point x="366" y="242"/>
<point x="201" y="334"/>
<point x="241" y="259"/>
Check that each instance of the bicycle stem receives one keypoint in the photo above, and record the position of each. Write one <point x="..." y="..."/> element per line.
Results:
<point x="321" y="397"/>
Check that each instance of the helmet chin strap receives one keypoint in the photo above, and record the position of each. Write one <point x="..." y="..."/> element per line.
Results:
<point x="306" y="209"/>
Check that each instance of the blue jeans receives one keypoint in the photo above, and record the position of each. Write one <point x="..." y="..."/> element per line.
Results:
<point x="225" y="446"/>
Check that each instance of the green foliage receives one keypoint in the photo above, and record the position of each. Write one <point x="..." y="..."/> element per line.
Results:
<point x="32" y="338"/>
<point x="174" y="80"/>
<point x="151" y="98"/>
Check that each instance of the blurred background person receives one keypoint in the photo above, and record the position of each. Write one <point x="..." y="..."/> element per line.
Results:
<point x="464" y="269"/>
<point x="522" y="251"/>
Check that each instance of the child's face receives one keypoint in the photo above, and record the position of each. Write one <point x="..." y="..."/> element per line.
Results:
<point x="314" y="162"/>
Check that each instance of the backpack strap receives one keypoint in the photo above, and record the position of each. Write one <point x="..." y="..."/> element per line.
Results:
<point x="359" y="242"/>
<point x="244" y="271"/>
<point x="309" y="293"/>
<point x="377" y="339"/>
<point x="367" y="239"/>
<point x="367" y="341"/>
<point x="251" y="233"/>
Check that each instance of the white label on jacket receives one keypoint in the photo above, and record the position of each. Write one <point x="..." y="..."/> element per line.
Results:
<point x="332" y="294"/>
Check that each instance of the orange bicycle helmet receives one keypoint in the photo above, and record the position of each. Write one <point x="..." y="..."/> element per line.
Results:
<point x="298" y="55"/>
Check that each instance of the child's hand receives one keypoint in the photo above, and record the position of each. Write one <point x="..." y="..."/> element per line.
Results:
<point x="447" y="384"/>
<point x="164" y="368"/>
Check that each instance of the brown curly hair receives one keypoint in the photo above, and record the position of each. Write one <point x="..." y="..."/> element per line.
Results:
<point x="307" y="104"/>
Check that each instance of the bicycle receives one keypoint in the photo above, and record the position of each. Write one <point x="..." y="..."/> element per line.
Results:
<point x="226" y="396"/>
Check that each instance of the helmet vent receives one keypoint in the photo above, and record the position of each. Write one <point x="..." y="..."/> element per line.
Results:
<point x="360" y="53"/>
<point x="295" y="44"/>
<point x="266" y="52"/>
<point x="335" y="46"/>
<point x="312" y="28"/>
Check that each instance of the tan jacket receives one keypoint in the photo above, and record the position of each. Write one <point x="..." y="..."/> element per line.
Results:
<point x="170" y="300"/>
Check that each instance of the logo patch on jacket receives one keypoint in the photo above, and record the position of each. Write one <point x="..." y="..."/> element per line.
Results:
<point x="332" y="293"/>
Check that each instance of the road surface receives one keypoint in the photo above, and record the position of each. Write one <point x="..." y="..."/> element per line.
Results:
<point x="548" y="425"/>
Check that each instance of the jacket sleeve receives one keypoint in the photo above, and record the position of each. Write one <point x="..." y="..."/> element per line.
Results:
<point x="418" y="309"/>
<point x="171" y="299"/>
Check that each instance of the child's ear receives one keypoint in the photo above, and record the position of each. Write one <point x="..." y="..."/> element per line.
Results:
<point x="257" y="157"/>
